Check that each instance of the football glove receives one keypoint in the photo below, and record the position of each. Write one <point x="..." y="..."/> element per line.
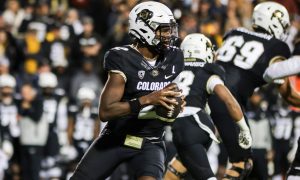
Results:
<point x="245" y="139"/>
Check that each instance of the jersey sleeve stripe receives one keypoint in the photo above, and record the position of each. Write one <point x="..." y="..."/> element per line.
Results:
<point x="276" y="58"/>
<point x="119" y="72"/>
<point x="212" y="82"/>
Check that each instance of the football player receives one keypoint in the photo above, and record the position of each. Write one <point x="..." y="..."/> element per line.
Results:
<point x="51" y="99"/>
<point x="245" y="55"/>
<point x="9" y="128"/>
<point x="193" y="131"/>
<point x="137" y="75"/>
<point x="280" y="70"/>
<point x="83" y="126"/>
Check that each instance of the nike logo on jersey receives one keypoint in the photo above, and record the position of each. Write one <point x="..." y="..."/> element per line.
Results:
<point x="167" y="77"/>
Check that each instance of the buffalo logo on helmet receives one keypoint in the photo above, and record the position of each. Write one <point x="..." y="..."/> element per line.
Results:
<point x="145" y="14"/>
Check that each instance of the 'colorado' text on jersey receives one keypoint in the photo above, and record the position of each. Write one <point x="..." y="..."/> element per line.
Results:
<point x="141" y="79"/>
<point x="245" y="55"/>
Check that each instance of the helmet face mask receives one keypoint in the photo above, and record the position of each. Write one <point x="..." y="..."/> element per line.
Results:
<point x="166" y="35"/>
<point x="153" y="24"/>
<point x="271" y="17"/>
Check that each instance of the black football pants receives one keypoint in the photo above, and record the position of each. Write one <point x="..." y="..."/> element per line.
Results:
<point x="106" y="153"/>
<point x="191" y="143"/>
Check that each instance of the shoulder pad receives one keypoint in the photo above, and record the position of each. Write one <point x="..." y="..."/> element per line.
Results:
<point x="121" y="48"/>
<point x="113" y="59"/>
<point x="279" y="48"/>
<point x="228" y="34"/>
<point x="213" y="68"/>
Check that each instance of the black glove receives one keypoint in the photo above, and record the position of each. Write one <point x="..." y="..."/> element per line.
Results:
<point x="213" y="68"/>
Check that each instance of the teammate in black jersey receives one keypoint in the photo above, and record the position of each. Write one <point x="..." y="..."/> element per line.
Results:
<point x="137" y="76"/>
<point x="280" y="70"/>
<point x="193" y="131"/>
<point x="245" y="55"/>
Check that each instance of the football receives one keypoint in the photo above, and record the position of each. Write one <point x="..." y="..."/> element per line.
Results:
<point x="167" y="115"/>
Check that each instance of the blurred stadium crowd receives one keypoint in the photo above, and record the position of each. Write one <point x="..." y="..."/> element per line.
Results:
<point x="51" y="76"/>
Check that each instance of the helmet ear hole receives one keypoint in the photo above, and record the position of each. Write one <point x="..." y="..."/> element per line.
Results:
<point x="143" y="31"/>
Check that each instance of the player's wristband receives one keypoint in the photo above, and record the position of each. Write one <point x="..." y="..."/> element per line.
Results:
<point x="135" y="105"/>
<point x="243" y="125"/>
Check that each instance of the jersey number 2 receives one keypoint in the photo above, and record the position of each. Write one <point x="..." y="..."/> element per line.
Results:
<point x="249" y="53"/>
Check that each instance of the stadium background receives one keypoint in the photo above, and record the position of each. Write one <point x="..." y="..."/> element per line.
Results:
<point x="69" y="38"/>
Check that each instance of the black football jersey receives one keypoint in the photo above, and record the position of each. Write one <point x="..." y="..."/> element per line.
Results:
<point x="84" y="122"/>
<point x="50" y="109"/>
<point x="245" y="55"/>
<point x="141" y="79"/>
<point x="8" y="122"/>
<point x="282" y="123"/>
<point x="193" y="82"/>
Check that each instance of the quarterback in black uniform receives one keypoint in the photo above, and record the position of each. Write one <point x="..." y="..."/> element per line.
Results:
<point x="193" y="131"/>
<point x="137" y="76"/>
<point x="245" y="55"/>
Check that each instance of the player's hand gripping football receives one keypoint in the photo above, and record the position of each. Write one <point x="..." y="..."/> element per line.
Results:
<point x="163" y="97"/>
<point x="245" y="139"/>
<point x="183" y="101"/>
